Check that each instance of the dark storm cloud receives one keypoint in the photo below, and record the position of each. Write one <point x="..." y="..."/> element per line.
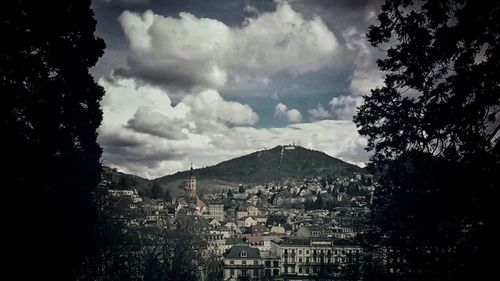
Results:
<point x="157" y="124"/>
<point x="116" y="140"/>
<point x="144" y="154"/>
<point x="160" y="76"/>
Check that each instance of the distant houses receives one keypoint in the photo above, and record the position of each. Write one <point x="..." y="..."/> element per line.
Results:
<point x="294" y="230"/>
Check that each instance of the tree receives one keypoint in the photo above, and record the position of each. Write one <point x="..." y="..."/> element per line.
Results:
<point x="157" y="191"/>
<point x="168" y="196"/>
<point x="230" y="193"/>
<point x="49" y="117"/>
<point x="433" y="129"/>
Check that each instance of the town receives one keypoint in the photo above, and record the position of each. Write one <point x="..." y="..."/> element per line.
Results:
<point x="295" y="230"/>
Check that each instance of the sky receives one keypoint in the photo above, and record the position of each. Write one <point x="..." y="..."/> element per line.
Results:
<point x="205" y="81"/>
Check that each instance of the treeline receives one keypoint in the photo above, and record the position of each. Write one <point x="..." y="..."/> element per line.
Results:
<point x="49" y="115"/>
<point x="177" y="252"/>
<point x="433" y="130"/>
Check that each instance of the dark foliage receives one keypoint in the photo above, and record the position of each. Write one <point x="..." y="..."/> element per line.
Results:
<point x="272" y="165"/>
<point x="433" y="130"/>
<point x="49" y="116"/>
<point x="157" y="191"/>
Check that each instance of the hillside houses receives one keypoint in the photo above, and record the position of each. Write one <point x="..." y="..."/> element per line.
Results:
<point x="285" y="229"/>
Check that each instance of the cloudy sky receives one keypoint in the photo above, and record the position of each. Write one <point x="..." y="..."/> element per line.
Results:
<point x="205" y="81"/>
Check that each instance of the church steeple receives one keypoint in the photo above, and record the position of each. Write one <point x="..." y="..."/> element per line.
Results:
<point x="191" y="171"/>
<point x="191" y="182"/>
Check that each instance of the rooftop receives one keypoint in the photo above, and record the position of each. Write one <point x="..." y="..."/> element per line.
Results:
<point x="318" y="242"/>
<point x="242" y="251"/>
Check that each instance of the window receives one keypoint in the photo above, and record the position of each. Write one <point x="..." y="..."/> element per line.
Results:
<point x="255" y="262"/>
<point x="300" y="269"/>
<point x="231" y="262"/>
<point x="244" y="272"/>
<point x="307" y="252"/>
<point x="243" y="262"/>
<point x="231" y="272"/>
<point x="268" y="263"/>
<point x="300" y="252"/>
<point x="243" y="254"/>
<point x="276" y="263"/>
<point x="300" y="260"/>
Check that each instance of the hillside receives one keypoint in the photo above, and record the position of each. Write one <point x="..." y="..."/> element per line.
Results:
<point x="274" y="164"/>
<point x="278" y="163"/>
<point x="119" y="180"/>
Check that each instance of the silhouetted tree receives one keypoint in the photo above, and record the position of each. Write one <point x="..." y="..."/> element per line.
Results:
<point x="230" y="193"/>
<point x="168" y="196"/>
<point x="49" y="118"/>
<point x="433" y="129"/>
<point x="157" y="191"/>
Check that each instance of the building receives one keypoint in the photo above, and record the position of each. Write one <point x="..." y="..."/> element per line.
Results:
<point x="271" y="266"/>
<point x="246" y="222"/>
<point x="242" y="262"/>
<point x="216" y="243"/>
<point x="191" y="184"/>
<point x="310" y="231"/>
<point x="278" y="230"/>
<point x="306" y="257"/>
<point x="190" y="199"/>
<point x="216" y="211"/>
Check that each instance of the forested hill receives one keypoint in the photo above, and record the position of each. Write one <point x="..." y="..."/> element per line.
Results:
<point x="273" y="164"/>
<point x="278" y="163"/>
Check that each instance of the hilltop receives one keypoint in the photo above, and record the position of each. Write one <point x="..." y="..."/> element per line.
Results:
<point x="278" y="163"/>
<point x="275" y="164"/>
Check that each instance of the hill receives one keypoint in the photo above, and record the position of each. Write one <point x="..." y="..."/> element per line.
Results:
<point x="119" y="180"/>
<point x="278" y="163"/>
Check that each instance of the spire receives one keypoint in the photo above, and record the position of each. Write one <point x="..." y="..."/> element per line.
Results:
<point x="191" y="171"/>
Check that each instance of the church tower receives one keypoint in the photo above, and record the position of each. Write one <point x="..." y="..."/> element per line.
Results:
<point x="191" y="183"/>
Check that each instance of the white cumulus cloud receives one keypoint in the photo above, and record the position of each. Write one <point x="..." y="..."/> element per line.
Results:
<point x="319" y="113"/>
<point x="344" y="107"/>
<point x="292" y="115"/>
<point x="145" y="134"/>
<point x="366" y="75"/>
<point x="187" y="52"/>
<point x="141" y="127"/>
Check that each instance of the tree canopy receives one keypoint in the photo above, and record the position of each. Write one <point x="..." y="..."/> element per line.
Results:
<point x="433" y="130"/>
<point x="50" y="113"/>
<point x="441" y="92"/>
